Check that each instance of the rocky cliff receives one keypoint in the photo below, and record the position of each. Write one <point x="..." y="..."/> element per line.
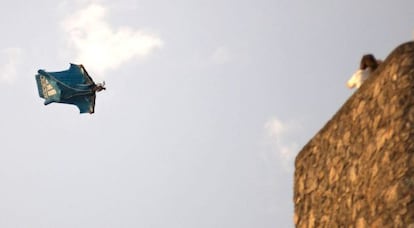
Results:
<point x="358" y="171"/>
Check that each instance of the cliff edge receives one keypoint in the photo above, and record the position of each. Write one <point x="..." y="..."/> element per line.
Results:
<point x="358" y="170"/>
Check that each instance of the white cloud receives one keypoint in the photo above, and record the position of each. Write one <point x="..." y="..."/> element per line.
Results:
<point x="282" y="137"/>
<point x="99" y="46"/>
<point x="221" y="55"/>
<point x="10" y="59"/>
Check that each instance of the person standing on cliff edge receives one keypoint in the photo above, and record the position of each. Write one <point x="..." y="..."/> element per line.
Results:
<point x="367" y="65"/>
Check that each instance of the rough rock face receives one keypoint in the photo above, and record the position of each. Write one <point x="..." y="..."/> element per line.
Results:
<point x="358" y="171"/>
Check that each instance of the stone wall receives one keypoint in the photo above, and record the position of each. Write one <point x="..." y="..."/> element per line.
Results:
<point x="358" y="171"/>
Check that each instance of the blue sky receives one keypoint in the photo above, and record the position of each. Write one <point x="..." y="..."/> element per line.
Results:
<point x="207" y="104"/>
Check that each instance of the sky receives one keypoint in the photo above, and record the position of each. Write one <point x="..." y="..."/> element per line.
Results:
<point x="207" y="105"/>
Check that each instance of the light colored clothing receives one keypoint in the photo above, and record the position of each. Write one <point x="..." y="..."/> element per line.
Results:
<point x="358" y="78"/>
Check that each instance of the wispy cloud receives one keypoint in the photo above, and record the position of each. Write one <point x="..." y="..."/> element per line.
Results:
<point x="221" y="55"/>
<point x="99" y="46"/>
<point x="10" y="59"/>
<point x="282" y="137"/>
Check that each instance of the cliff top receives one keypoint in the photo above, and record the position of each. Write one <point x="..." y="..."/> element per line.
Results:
<point x="398" y="64"/>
